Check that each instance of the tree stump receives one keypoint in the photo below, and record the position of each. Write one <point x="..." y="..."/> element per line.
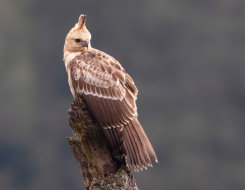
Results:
<point x="101" y="168"/>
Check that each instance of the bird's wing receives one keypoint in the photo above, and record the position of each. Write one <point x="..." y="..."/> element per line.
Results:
<point x="108" y="90"/>
<point x="110" y="94"/>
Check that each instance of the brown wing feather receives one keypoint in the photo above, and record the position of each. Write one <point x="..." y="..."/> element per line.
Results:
<point x="111" y="94"/>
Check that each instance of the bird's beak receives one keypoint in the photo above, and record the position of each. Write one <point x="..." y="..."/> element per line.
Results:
<point x="84" y="43"/>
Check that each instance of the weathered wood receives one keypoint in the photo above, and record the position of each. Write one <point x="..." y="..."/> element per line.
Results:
<point x="101" y="168"/>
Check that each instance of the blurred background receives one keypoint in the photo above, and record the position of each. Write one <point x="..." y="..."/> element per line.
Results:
<point x="187" y="60"/>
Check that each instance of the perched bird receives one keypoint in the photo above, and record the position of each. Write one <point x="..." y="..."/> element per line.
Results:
<point x="110" y="94"/>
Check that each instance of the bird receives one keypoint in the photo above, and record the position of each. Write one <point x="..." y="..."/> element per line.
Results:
<point x="110" y="94"/>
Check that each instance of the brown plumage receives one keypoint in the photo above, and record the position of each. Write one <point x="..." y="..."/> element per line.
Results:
<point x="110" y="94"/>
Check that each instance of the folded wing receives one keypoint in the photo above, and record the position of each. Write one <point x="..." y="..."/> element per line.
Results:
<point x="111" y="94"/>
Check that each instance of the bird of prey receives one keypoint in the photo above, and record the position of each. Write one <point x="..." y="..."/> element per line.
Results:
<point x="110" y="94"/>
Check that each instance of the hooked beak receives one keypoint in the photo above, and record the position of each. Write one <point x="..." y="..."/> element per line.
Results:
<point x="84" y="43"/>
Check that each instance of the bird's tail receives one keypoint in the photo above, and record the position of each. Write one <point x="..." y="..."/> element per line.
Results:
<point x="137" y="145"/>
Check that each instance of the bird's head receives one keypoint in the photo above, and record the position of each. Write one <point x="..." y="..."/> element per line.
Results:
<point x="78" y="39"/>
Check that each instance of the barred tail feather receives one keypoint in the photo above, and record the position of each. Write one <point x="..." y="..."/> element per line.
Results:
<point x="137" y="145"/>
<point x="145" y="139"/>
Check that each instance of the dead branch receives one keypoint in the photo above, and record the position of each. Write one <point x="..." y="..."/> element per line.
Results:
<point x="101" y="168"/>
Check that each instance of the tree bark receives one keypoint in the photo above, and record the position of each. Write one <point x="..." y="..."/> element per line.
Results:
<point x="101" y="168"/>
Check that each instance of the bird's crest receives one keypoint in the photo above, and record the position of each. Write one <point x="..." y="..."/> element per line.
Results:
<point x="80" y="25"/>
<point x="81" y="22"/>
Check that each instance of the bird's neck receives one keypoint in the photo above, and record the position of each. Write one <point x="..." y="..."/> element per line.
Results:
<point x="68" y="52"/>
<point x="68" y="56"/>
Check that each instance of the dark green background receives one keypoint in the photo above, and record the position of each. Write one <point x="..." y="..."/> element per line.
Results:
<point x="187" y="59"/>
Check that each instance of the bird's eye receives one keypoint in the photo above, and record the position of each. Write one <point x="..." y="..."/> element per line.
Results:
<point x="77" y="40"/>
